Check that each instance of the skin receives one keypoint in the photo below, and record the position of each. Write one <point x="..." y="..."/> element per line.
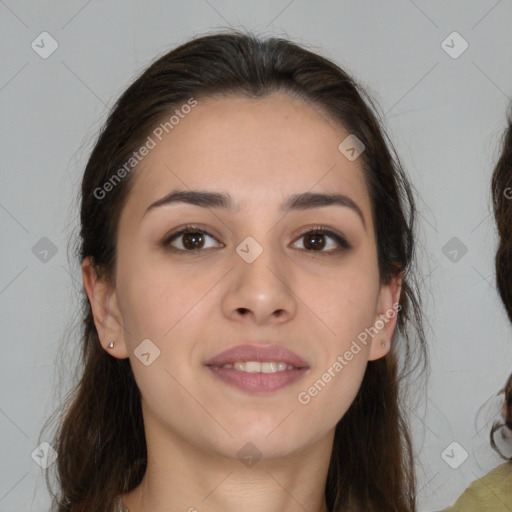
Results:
<point x="193" y="306"/>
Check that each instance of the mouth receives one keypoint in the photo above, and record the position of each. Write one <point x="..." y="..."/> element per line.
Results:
<point x="257" y="368"/>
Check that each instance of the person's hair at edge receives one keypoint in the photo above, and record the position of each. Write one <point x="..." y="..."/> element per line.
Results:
<point x="100" y="438"/>
<point x="502" y="206"/>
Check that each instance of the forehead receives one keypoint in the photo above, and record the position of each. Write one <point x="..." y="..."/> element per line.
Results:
<point x="257" y="150"/>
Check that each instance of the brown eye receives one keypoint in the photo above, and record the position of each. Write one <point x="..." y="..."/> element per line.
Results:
<point x="316" y="240"/>
<point x="190" y="238"/>
<point x="193" y="239"/>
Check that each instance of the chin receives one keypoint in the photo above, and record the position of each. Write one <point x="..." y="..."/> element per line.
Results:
<point x="273" y="442"/>
<point x="251" y="449"/>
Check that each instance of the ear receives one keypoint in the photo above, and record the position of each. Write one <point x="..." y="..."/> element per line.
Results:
<point x="388" y="308"/>
<point x="107" y="317"/>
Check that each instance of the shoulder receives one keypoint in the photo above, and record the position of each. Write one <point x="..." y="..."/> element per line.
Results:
<point x="492" y="492"/>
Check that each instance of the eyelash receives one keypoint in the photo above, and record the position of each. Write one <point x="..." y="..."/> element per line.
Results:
<point x="343" y="245"/>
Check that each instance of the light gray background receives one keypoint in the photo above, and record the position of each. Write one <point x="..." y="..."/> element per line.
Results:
<point x="445" y="116"/>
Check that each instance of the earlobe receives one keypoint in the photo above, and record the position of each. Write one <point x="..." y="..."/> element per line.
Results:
<point x="386" y="317"/>
<point x="107" y="317"/>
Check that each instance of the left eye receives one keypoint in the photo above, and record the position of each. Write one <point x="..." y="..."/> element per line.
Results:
<point x="316" y="238"/>
<point x="192" y="239"/>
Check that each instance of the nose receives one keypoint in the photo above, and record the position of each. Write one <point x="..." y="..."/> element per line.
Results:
<point x="261" y="291"/>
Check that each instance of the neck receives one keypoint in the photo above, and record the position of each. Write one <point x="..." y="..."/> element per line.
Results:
<point x="181" y="479"/>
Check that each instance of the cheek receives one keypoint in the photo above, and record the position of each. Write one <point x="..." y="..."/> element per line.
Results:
<point x="156" y="295"/>
<point x="349" y="302"/>
<point x="162" y="305"/>
<point x="349" y="305"/>
<point x="335" y="381"/>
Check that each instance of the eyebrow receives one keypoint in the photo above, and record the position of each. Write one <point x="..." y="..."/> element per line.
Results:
<point x="303" y="201"/>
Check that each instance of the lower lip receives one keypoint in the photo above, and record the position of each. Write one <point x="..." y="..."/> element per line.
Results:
<point x="256" y="381"/>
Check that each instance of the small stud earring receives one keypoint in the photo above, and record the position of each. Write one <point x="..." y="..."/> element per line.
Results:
<point x="111" y="344"/>
<point x="383" y="343"/>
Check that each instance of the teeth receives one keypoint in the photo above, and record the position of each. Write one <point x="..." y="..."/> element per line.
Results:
<point x="252" y="367"/>
<point x="257" y="367"/>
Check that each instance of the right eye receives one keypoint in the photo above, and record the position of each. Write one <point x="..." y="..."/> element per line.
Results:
<point x="191" y="239"/>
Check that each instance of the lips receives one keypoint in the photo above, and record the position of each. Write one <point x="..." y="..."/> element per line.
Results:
<point x="260" y="353"/>
<point x="259" y="382"/>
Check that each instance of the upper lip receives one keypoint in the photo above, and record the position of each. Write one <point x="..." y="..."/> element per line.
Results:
<point x="257" y="352"/>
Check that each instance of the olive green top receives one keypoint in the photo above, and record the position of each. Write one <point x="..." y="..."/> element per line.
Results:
<point x="491" y="493"/>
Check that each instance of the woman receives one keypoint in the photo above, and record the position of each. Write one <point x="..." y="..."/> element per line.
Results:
<point x="493" y="492"/>
<point x="246" y="246"/>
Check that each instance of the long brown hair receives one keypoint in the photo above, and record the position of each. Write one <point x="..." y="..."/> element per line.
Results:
<point x="100" y="438"/>
<point x="502" y="207"/>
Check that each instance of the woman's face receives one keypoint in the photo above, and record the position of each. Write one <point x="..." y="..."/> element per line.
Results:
<point x="254" y="278"/>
